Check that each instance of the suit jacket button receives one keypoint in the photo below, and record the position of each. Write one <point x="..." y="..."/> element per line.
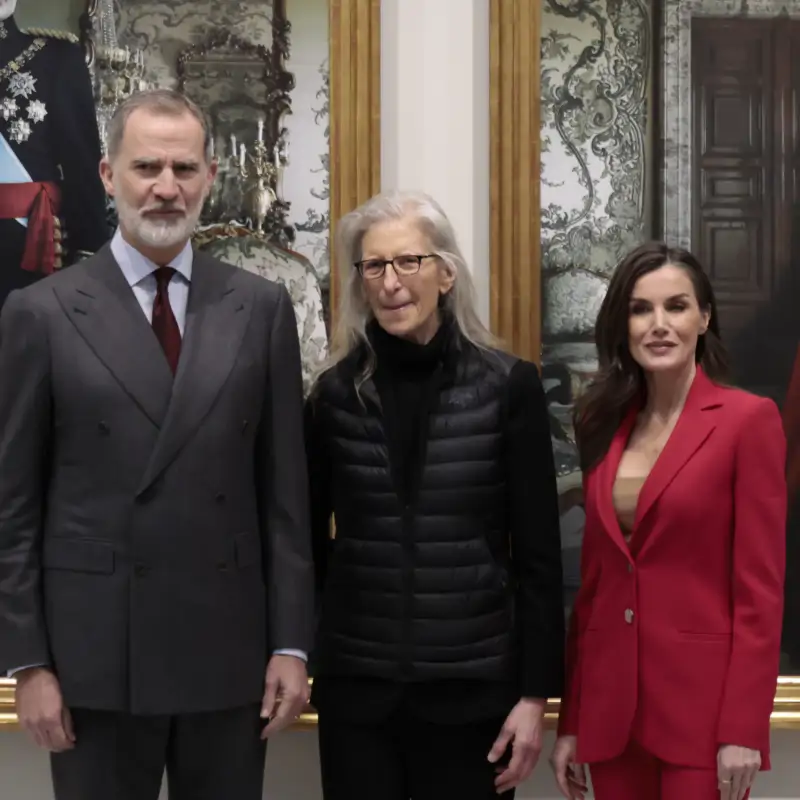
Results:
<point x="630" y="567"/>
<point x="103" y="428"/>
<point x="140" y="570"/>
<point x="220" y="498"/>
<point x="629" y="615"/>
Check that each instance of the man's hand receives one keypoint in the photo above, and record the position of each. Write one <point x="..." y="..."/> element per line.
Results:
<point x="41" y="711"/>
<point x="523" y="730"/>
<point x="286" y="693"/>
<point x="737" y="768"/>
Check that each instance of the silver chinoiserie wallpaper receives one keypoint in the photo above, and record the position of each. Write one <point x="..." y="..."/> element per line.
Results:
<point x="596" y="196"/>
<point x="163" y="28"/>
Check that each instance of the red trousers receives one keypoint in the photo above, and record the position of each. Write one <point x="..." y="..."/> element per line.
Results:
<point x="637" y="775"/>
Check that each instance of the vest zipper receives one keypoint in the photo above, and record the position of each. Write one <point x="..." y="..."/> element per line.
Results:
<point x="406" y="658"/>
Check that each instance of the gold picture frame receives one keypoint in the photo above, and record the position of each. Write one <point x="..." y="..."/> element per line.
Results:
<point x="515" y="294"/>
<point x="355" y="161"/>
<point x="516" y="297"/>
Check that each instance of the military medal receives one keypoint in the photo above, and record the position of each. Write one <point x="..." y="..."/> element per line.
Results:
<point x="22" y="85"/>
<point x="8" y="108"/>
<point x="36" y="111"/>
<point x="19" y="131"/>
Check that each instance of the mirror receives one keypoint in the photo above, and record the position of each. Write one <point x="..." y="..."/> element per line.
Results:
<point x="244" y="91"/>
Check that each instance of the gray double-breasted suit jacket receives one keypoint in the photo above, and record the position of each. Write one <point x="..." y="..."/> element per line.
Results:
<point x="154" y="542"/>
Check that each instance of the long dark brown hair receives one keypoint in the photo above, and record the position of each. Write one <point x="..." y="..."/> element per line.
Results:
<point x="620" y="380"/>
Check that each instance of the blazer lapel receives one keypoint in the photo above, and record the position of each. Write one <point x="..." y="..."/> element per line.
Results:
<point x="103" y="308"/>
<point x="606" y="475"/>
<point x="216" y="319"/>
<point x="693" y="428"/>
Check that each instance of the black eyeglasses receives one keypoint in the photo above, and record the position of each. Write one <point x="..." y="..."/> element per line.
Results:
<point x="373" y="268"/>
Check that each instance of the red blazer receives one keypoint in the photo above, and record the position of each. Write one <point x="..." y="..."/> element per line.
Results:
<point x="679" y="645"/>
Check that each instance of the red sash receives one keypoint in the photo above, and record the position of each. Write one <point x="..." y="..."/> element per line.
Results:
<point x="40" y="202"/>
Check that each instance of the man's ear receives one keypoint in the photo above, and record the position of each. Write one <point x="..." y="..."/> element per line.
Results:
<point x="107" y="175"/>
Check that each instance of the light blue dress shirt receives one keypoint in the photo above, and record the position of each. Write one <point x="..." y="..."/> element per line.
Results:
<point x="139" y="273"/>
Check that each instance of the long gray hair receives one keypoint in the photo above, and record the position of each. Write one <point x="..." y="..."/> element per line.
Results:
<point x="354" y="313"/>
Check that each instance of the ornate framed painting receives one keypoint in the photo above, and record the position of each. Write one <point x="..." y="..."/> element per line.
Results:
<point x="575" y="175"/>
<point x="292" y="91"/>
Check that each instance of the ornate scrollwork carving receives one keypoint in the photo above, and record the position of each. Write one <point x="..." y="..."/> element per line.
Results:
<point x="240" y="83"/>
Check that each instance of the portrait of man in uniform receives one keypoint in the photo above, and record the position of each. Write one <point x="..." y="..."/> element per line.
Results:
<point x="52" y="203"/>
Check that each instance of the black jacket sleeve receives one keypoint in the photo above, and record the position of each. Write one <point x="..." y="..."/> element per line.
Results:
<point x="320" y="487"/>
<point x="78" y="151"/>
<point x="535" y="536"/>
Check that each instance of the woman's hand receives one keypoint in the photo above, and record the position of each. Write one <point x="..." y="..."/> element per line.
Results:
<point x="570" y="777"/>
<point x="737" y="768"/>
<point x="523" y="731"/>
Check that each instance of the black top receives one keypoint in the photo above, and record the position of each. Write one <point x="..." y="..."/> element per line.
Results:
<point x="404" y="377"/>
<point x="406" y="382"/>
<point x="62" y="147"/>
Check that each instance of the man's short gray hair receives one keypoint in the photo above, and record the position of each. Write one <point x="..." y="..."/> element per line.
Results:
<point x="157" y="101"/>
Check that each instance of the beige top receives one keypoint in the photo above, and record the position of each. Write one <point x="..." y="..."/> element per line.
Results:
<point x="626" y="496"/>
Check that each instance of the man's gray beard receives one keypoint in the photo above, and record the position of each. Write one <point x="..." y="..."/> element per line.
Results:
<point x="157" y="232"/>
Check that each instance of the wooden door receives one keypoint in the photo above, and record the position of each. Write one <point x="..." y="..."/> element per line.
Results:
<point x="746" y="223"/>
<point x="735" y="194"/>
<point x="746" y="189"/>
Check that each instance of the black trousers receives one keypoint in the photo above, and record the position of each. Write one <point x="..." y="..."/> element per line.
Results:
<point x="207" y="756"/>
<point x="404" y="757"/>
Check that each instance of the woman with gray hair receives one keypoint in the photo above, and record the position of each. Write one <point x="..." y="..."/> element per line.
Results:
<point x="441" y="627"/>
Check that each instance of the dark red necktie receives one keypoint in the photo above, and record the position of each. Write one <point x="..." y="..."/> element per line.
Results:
<point x="165" y="325"/>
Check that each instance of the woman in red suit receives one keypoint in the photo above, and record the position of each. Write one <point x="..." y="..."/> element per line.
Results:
<point x="674" y="641"/>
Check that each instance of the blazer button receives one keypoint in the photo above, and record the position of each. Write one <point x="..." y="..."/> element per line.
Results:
<point x="103" y="428"/>
<point x="630" y="567"/>
<point x="140" y="570"/>
<point x="220" y="498"/>
<point x="629" y="615"/>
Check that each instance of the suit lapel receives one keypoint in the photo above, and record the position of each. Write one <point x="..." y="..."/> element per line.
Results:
<point x="693" y="428"/>
<point x="604" y="481"/>
<point x="101" y="305"/>
<point x="216" y="318"/>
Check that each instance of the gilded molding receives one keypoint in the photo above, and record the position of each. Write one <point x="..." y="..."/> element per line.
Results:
<point x="514" y="98"/>
<point x="785" y="714"/>
<point x="355" y="85"/>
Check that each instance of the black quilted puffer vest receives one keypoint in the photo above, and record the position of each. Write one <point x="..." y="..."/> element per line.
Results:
<point x="418" y="586"/>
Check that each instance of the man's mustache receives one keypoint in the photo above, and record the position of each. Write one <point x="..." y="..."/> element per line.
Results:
<point x="165" y="209"/>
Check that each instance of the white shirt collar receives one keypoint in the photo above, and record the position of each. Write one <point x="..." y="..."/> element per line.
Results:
<point x="136" y="267"/>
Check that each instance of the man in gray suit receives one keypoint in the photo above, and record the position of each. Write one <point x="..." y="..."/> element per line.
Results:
<point x="155" y="573"/>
